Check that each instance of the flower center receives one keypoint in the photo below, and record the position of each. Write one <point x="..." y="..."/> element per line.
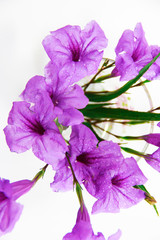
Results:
<point x="2" y="197"/>
<point x="38" y="128"/>
<point x="54" y="99"/>
<point x="84" y="158"/>
<point x="75" y="50"/>
<point x="35" y="127"/>
<point x="115" y="181"/>
<point x="75" y="55"/>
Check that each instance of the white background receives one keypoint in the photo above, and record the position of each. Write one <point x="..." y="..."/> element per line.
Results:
<point x="23" y="25"/>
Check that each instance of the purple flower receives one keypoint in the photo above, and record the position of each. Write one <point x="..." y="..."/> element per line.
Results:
<point x="65" y="99"/>
<point x="132" y="54"/>
<point x="87" y="160"/>
<point x="83" y="229"/>
<point x="103" y="170"/>
<point x="77" y="51"/>
<point x="10" y="210"/>
<point x="33" y="127"/>
<point x="118" y="191"/>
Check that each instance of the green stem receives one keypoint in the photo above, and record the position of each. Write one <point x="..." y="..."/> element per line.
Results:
<point x="114" y="94"/>
<point x="104" y="77"/>
<point x="75" y="182"/>
<point x="104" y="66"/>
<point x="70" y="165"/>
<point x="132" y="151"/>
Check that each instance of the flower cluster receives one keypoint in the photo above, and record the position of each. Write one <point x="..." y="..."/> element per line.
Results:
<point x="54" y="102"/>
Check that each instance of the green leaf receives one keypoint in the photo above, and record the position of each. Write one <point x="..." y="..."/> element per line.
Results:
<point x="104" y="97"/>
<point x="93" y="106"/>
<point x="119" y="113"/>
<point x="132" y="151"/>
<point x="136" y="122"/>
<point x="141" y="187"/>
<point x="102" y="78"/>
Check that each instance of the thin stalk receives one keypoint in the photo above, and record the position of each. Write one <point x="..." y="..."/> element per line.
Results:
<point x="70" y="165"/>
<point x="75" y="182"/>
<point x="104" y="66"/>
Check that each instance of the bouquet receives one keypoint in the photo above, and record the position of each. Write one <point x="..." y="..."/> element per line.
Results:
<point x="68" y="115"/>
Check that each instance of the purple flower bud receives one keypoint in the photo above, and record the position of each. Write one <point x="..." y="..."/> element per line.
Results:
<point x="153" y="138"/>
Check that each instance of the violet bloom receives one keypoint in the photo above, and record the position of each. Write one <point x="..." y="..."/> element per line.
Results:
<point x="33" y="127"/>
<point x="117" y="187"/>
<point x="77" y="51"/>
<point x="83" y="229"/>
<point x="86" y="159"/>
<point x="103" y="170"/>
<point x="10" y="210"/>
<point x="65" y="99"/>
<point x="132" y="54"/>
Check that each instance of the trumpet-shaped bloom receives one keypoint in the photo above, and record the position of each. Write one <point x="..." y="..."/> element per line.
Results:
<point x="87" y="160"/>
<point x="65" y="99"/>
<point x="133" y="53"/>
<point x="102" y="169"/>
<point x="78" y="52"/>
<point x="83" y="229"/>
<point x="10" y="210"/>
<point x="118" y="191"/>
<point x="33" y="127"/>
